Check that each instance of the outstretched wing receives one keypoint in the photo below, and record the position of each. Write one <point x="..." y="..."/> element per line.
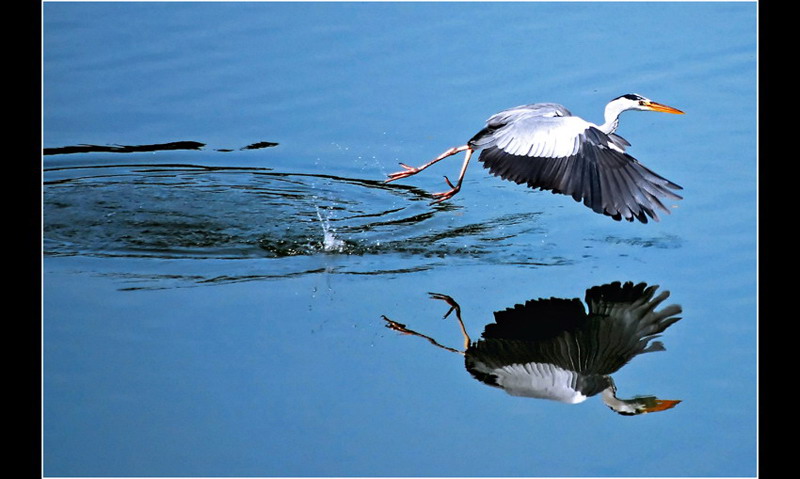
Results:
<point x="545" y="147"/>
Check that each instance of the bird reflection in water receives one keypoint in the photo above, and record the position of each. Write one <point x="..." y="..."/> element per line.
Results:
<point x="553" y="349"/>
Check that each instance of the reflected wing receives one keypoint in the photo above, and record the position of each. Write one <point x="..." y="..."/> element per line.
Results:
<point x="539" y="331"/>
<point x="530" y="350"/>
<point x="553" y="348"/>
<point x="623" y="322"/>
<point x="568" y="155"/>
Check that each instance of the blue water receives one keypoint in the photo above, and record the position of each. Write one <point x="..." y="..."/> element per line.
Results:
<point x="219" y="311"/>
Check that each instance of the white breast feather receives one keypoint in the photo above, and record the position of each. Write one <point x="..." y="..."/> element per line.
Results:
<point x="539" y="380"/>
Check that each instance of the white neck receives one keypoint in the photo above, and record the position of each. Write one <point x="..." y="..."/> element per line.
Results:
<point x="618" y="405"/>
<point x="611" y="116"/>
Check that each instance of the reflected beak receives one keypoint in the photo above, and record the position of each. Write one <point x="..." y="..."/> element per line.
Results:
<point x="653" y="106"/>
<point x="662" y="404"/>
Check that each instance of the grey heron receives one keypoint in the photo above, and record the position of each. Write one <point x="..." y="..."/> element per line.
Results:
<point x="555" y="349"/>
<point x="544" y="146"/>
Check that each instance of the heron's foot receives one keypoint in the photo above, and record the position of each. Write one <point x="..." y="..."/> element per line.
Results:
<point x="450" y="302"/>
<point x="446" y="195"/>
<point x="407" y="171"/>
<point x="394" y="325"/>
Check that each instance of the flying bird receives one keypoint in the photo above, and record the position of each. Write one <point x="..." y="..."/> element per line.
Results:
<point x="544" y="146"/>
<point x="561" y="350"/>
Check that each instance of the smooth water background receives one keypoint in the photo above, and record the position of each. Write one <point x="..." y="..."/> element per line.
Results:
<point x="217" y="312"/>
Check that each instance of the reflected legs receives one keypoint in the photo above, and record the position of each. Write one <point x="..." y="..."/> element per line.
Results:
<point x="454" y="307"/>
<point x="400" y="327"/>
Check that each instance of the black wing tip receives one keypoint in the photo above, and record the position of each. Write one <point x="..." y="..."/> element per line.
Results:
<point x="618" y="292"/>
<point x="634" y="196"/>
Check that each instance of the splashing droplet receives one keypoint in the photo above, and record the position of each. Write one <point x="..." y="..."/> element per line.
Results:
<point x="330" y="242"/>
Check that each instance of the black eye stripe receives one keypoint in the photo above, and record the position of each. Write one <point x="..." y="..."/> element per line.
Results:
<point x="631" y="96"/>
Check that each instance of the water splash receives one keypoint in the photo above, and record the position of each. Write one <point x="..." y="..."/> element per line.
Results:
<point x="330" y="243"/>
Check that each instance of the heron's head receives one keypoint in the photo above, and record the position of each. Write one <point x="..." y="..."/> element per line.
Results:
<point x="637" y="405"/>
<point x="633" y="101"/>
<point x="644" y="405"/>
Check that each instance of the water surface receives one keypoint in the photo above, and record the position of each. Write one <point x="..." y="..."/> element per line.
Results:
<point x="220" y="249"/>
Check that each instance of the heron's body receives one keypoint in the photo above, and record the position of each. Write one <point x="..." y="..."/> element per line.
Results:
<point x="544" y="146"/>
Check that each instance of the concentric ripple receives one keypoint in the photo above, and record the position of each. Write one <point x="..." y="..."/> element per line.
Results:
<point x="179" y="211"/>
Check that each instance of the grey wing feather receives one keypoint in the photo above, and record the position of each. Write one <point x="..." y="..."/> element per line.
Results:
<point x="625" y="320"/>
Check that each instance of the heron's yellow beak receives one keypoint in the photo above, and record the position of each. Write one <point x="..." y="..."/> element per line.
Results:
<point x="662" y="404"/>
<point x="663" y="108"/>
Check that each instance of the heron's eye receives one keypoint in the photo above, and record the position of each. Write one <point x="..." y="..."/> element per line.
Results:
<point x="641" y="102"/>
